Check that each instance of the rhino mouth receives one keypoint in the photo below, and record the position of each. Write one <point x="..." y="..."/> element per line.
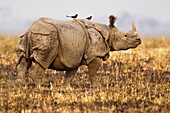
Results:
<point x="139" y="41"/>
<point x="136" y="43"/>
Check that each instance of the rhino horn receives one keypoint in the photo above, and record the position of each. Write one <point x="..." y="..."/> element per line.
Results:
<point x="133" y="26"/>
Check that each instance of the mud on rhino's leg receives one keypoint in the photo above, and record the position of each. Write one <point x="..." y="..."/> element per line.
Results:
<point x="93" y="67"/>
<point x="22" y="67"/>
<point x="37" y="75"/>
<point x="69" y="75"/>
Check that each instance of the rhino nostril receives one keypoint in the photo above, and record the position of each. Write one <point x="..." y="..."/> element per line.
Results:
<point x="138" y="37"/>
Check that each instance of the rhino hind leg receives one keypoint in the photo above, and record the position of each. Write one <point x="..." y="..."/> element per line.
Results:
<point x="22" y="67"/>
<point x="69" y="75"/>
<point x="93" y="67"/>
<point x="37" y="75"/>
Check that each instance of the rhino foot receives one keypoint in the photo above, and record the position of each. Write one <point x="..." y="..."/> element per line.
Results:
<point x="96" y="84"/>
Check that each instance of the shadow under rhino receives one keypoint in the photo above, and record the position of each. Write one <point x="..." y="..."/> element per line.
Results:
<point x="66" y="45"/>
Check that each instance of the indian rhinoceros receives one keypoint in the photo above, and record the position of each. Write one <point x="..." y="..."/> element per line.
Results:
<point x="66" y="45"/>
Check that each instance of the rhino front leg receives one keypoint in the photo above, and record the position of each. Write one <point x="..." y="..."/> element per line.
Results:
<point x="69" y="75"/>
<point x="37" y="74"/>
<point x="93" y="67"/>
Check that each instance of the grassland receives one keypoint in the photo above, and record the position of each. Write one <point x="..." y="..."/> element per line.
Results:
<point x="136" y="80"/>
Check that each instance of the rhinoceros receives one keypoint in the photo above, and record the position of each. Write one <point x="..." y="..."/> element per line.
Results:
<point x="66" y="45"/>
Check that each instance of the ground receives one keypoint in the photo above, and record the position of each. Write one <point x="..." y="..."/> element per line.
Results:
<point x="136" y="80"/>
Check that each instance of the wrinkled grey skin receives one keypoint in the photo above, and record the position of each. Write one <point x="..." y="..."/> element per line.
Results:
<point x="66" y="45"/>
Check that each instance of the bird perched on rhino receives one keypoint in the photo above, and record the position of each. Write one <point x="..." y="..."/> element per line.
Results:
<point x="112" y="20"/>
<point x="75" y="16"/>
<point x="89" y="18"/>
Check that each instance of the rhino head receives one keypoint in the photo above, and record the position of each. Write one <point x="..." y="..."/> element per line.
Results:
<point x="122" y="40"/>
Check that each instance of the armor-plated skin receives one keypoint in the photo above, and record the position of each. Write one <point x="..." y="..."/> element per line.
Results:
<point x="66" y="45"/>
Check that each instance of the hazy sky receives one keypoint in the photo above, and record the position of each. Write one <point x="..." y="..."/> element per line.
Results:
<point x="16" y="14"/>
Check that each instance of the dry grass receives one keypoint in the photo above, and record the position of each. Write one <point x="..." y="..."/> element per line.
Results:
<point x="133" y="81"/>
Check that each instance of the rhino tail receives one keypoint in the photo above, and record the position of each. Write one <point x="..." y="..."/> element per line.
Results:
<point x="26" y="37"/>
<point x="23" y="49"/>
<point x="27" y="48"/>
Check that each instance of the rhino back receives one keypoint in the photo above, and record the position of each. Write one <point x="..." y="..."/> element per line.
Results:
<point x="73" y="42"/>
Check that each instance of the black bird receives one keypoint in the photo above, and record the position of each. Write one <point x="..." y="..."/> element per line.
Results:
<point x="75" y="16"/>
<point x="112" y="20"/>
<point x="89" y="18"/>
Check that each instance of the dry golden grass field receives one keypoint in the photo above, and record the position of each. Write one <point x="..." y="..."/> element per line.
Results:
<point x="133" y="81"/>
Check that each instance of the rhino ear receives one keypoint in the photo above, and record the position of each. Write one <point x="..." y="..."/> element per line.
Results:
<point x="112" y="19"/>
<point x="133" y="26"/>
